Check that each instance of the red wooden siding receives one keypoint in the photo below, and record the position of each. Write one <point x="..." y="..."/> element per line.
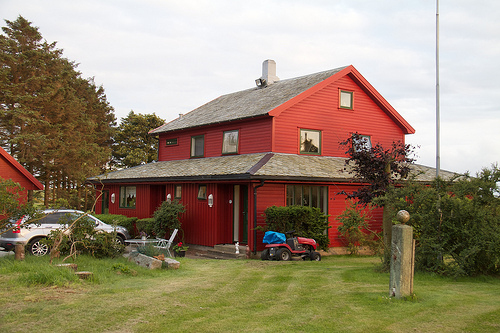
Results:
<point x="146" y="199"/>
<point x="11" y="169"/>
<point x="254" y="137"/>
<point x="338" y="203"/>
<point x="321" y="111"/>
<point x="204" y="225"/>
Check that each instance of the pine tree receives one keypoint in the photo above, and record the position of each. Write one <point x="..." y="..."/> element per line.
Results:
<point x="57" y="124"/>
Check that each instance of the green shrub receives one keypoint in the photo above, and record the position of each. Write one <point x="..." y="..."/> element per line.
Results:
<point x="113" y="219"/>
<point x="456" y="224"/>
<point x="146" y="226"/>
<point x="82" y="237"/>
<point x="166" y="217"/>
<point x="355" y="229"/>
<point x="308" y="222"/>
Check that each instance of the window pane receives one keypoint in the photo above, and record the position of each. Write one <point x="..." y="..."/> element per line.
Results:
<point x="306" y="196"/>
<point x="230" y="142"/>
<point x="197" y="145"/>
<point x="314" y="196"/>
<point x="127" y="197"/>
<point x="178" y="191"/>
<point x="171" y="142"/>
<point x="364" y="143"/>
<point x="289" y="195"/>
<point x="202" y="192"/>
<point x="310" y="141"/>
<point x="346" y="99"/>
<point x="298" y="195"/>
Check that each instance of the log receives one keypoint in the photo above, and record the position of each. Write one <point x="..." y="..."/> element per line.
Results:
<point x="74" y="267"/>
<point x="84" y="275"/>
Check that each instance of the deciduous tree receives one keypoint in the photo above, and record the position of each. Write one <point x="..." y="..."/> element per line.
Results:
<point x="380" y="169"/>
<point x="133" y="144"/>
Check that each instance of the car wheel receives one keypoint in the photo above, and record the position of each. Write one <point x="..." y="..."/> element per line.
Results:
<point x="38" y="249"/>
<point x="265" y="255"/>
<point x="119" y="240"/>
<point x="284" y="254"/>
<point x="315" y="256"/>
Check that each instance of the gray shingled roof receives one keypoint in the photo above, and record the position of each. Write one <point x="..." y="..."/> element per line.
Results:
<point x="251" y="166"/>
<point x="247" y="103"/>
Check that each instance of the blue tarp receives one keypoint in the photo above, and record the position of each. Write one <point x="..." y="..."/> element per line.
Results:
<point x="273" y="237"/>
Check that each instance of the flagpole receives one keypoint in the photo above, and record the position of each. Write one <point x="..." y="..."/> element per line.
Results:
<point x="438" y="144"/>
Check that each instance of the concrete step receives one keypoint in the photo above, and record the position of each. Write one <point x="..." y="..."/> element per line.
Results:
<point x="223" y="251"/>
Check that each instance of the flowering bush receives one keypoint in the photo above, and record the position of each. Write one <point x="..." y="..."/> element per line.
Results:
<point x="180" y="247"/>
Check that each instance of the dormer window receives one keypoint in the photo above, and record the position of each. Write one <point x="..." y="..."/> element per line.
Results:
<point x="197" y="146"/>
<point x="310" y="142"/>
<point x="346" y="99"/>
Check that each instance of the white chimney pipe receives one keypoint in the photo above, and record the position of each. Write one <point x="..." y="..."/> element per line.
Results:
<point x="268" y="74"/>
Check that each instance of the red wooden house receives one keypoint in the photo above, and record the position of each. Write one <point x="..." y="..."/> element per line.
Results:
<point x="274" y="144"/>
<point x="11" y="169"/>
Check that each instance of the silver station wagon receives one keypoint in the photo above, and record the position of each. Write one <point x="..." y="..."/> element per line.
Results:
<point x="54" y="219"/>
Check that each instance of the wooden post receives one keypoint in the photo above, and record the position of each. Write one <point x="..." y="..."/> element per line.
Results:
<point x="19" y="251"/>
<point x="401" y="280"/>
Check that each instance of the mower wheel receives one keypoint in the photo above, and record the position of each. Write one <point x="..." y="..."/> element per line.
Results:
<point x="265" y="254"/>
<point x="315" y="256"/>
<point x="284" y="254"/>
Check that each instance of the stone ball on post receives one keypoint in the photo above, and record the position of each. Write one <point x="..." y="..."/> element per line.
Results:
<point x="403" y="216"/>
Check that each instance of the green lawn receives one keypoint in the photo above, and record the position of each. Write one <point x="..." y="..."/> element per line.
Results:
<point x="338" y="294"/>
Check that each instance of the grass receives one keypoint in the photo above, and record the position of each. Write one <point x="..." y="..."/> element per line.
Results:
<point x="338" y="294"/>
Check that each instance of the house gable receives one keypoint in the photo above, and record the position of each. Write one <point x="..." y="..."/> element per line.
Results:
<point x="318" y="110"/>
<point x="11" y="169"/>
<point x="362" y="83"/>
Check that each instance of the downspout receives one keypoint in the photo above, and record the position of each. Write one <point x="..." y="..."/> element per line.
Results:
<point x="255" y="216"/>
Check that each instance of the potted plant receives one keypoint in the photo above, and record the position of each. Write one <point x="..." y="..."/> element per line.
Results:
<point x="180" y="249"/>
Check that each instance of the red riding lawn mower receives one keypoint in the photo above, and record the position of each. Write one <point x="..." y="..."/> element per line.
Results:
<point x="278" y="247"/>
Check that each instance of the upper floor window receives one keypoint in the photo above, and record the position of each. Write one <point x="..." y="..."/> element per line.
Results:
<point x="127" y="196"/>
<point x="362" y="142"/>
<point x="310" y="142"/>
<point x="346" y="99"/>
<point x="197" y="146"/>
<point x="171" y="142"/>
<point x="230" y="142"/>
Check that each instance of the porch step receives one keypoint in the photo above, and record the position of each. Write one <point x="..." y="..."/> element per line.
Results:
<point x="224" y="251"/>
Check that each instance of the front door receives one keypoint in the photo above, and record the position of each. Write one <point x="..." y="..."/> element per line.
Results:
<point x="105" y="202"/>
<point x="240" y="214"/>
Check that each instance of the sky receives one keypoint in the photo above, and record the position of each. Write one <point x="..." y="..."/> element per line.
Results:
<point x="170" y="56"/>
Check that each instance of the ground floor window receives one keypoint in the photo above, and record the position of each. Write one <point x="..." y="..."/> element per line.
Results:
<point x="127" y="196"/>
<point x="307" y="195"/>
<point x="202" y="192"/>
<point x="178" y="192"/>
